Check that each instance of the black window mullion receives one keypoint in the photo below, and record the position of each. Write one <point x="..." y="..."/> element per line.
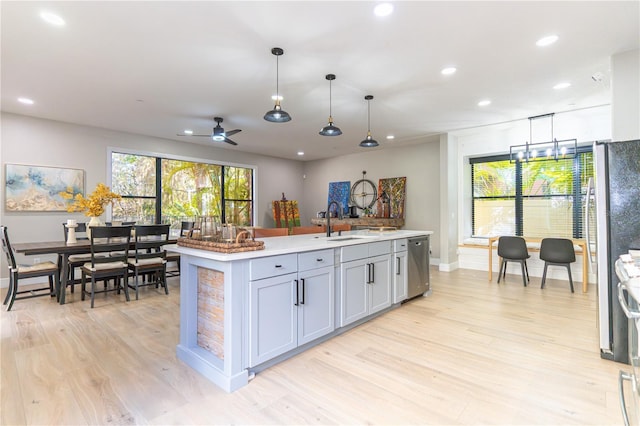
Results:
<point x="158" y="190"/>
<point x="519" y="202"/>
<point x="223" y="196"/>
<point x="473" y="202"/>
<point x="577" y="199"/>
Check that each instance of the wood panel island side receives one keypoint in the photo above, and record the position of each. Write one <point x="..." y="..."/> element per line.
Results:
<point x="241" y="313"/>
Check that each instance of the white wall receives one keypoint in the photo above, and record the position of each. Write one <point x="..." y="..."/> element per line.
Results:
<point x="419" y="163"/>
<point x="33" y="141"/>
<point x="625" y="88"/>
<point x="586" y="125"/>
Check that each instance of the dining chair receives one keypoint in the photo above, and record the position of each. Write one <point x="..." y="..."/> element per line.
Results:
<point x="270" y="232"/>
<point x="298" y="230"/>
<point x="17" y="272"/>
<point x="513" y="249"/>
<point x="109" y="256"/>
<point x="150" y="258"/>
<point x="185" y="228"/>
<point x="559" y="252"/>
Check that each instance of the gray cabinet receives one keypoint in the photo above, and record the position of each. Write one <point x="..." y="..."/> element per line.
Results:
<point x="400" y="265"/>
<point x="365" y="280"/>
<point x="273" y="318"/>
<point x="291" y="309"/>
<point x="316" y="304"/>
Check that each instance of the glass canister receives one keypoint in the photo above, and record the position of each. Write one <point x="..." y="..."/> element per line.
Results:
<point x="229" y="232"/>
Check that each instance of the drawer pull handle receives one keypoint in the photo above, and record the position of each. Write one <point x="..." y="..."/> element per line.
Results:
<point x="320" y="260"/>
<point x="278" y="266"/>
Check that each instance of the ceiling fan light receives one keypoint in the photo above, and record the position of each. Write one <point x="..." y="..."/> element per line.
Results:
<point x="218" y="138"/>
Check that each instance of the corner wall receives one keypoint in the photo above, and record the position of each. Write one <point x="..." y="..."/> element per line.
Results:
<point x="34" y="141"/>
<point x="419" y="163"/>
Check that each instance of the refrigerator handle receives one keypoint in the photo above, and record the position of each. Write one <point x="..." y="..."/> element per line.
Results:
<point x="622" y="377"/>
<point x="623" y="303"/>
<point x="589" y="205"/>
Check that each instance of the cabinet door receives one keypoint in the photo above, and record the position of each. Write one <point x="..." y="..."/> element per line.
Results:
<point x="316" y="315"/>
<point x="353" y="291"/>
<point x="400" y="264"/>
<point x="379" y="287"/>
<point x="273" y="318"/>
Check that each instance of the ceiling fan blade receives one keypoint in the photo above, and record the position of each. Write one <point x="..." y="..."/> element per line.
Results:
<point x="233" y="132"/>
<point x="183" y="134"/>
<point x="229" y="141"/>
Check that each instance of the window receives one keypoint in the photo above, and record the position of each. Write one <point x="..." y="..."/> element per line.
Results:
<point x="542" y="198"/>
<point x="161" y="190"/>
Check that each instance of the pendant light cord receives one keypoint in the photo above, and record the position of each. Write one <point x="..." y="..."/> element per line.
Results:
<point x="277" y="78"/>
<point x="329" y="99"/>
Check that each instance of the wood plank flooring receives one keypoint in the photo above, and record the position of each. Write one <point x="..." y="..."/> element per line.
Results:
<point x="474" y="352"/>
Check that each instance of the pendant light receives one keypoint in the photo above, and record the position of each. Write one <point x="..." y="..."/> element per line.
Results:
<point x="330" y="129"/>
<point x="277" y="115"/>
<point x="369" y="142"/>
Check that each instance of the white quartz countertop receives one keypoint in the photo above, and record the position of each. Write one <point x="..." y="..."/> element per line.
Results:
<point x="302" y="243"/>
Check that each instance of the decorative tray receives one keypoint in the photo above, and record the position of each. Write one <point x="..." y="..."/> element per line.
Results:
<point x="236" y="246"/>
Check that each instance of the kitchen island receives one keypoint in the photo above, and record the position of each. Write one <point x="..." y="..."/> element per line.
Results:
<point x="241" y="313"/>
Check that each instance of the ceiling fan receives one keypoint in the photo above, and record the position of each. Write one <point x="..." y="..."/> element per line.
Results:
<point x="218" y="133"/>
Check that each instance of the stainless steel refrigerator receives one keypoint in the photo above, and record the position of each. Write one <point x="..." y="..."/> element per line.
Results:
<point x="616" y="200"/>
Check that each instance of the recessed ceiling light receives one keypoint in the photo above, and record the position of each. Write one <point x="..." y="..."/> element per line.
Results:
<point x="301" y="153"/>
<point x="26" y="101"/>
<point x="448" y="70"/>
<point x="188" y="132"/>
<point x="546" y="41"/>
<point x="484" y="102"/>
<point x="561" y="86"/>
<point x="276" y="97"/>
<point x="383" y="9"/>
<point x="52" y="18"/>
<point x="390" y="137"/>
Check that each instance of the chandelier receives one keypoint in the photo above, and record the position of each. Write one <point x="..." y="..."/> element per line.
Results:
<point x="552" y="150"/>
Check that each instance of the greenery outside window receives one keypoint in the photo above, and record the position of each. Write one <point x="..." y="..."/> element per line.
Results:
<point x="161" y="190"/>
<point x="542" y="198"/>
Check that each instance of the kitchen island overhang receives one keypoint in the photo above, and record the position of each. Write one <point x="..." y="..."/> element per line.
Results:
<point x="239" y="312"/>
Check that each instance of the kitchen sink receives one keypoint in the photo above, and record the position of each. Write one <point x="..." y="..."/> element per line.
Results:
<point x="330" y="239"/>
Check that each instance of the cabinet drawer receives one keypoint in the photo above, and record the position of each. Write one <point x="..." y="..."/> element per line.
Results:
<point x="400" y="245"/>
<point x="379" y="248"/>
<point x="272" y="266"/>
<point x="315" y="259"/>
<point x="358" y="251"/>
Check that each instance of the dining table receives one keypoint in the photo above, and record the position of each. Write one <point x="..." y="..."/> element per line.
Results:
<point x="63" y="250"/>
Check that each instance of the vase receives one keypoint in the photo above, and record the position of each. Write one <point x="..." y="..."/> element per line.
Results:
<point x="94" y="221"/>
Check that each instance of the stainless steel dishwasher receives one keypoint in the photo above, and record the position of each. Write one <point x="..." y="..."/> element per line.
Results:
<point x="418" y="272"/>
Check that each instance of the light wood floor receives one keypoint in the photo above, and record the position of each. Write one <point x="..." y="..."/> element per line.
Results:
<point x="473" y="352"/>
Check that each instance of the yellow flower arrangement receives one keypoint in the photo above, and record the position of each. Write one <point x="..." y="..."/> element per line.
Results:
<point x="94" y="204"/>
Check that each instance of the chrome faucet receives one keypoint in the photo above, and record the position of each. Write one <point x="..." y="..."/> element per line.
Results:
<point x="339" y="208"/>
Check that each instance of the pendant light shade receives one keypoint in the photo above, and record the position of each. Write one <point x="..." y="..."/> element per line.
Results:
<point x="369" y="142"/>
<point x="330" y="129"/>
<point x="277" y="114"/>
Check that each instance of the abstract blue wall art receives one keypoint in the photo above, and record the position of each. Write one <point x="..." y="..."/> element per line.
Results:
<point x="339" y="191"/>
<point x="37" y="188"/>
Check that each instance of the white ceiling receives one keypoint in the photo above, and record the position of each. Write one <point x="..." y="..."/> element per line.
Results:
<point x="157" y="68"/>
